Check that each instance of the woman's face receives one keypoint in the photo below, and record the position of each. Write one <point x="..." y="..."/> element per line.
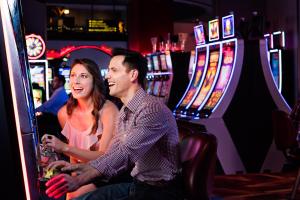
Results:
<point x="81" y="82"/>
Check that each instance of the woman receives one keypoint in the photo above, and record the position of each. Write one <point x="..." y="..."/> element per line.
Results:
<point x="87" y="120"/>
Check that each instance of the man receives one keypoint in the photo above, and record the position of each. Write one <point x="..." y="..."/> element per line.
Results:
<point x="57" y="99"/>
<point x="146" y="137"/>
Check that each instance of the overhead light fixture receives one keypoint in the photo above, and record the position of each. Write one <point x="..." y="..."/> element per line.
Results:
<point x="66" y="11"/>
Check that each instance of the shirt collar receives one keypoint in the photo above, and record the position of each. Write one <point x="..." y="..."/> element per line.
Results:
<point x="136" y="100"/>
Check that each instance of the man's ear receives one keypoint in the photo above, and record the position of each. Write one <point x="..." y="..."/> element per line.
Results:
<point x="134" y="74"/>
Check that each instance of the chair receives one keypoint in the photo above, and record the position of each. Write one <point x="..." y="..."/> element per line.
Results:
<point x="285" y="135"/>
<point x="198" y="157"/>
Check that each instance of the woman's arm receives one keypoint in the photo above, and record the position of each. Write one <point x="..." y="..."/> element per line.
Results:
<point x="107" y="118"/>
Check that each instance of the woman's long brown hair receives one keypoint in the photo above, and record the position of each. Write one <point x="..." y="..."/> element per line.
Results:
<point x="98" y="91"/>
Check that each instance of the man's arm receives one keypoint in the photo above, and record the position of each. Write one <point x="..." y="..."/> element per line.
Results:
<point x="134" y="143"/>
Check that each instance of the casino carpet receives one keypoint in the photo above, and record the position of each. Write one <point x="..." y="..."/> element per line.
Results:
<point x="256" y="186"/>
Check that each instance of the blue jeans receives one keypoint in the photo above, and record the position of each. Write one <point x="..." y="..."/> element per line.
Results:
<point x="135" y="191"/>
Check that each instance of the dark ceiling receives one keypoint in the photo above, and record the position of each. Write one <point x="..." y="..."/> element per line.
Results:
<point x="183" y="10"/>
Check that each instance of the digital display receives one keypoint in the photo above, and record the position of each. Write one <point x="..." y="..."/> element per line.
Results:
<point x="164" y="89"/>
<point x="274" y="63"/>
<point x="228" y="26"/>
<point x="149" y="64"/>
<point x="66" y="73"/>
<point x="209" y="78"/>
<point x="37" y="73"/>
<point x="163" y="62"/>
<point x="213" y="27"/>
<point x="224" y="77"/>
<point x="155" y="63"/>
<point x="37" y="97"/>
<point x="191" y="63"/>
<point x="201" y="59"/>
<point x="157" y="87"/>
<point x="169" y="60"/>
<point x="49" y="74"/>
<point x="150" y="87"/>
<point x="199" y="34"/>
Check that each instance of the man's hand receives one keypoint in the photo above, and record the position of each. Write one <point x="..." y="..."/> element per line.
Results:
<point x="63" y="183"/>
<point x="59" y="164"/>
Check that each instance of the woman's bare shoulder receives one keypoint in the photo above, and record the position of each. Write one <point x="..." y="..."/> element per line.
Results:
<point x="62" y="115"/>
<point x="109" y="108"/>
<point x="108" y="105"/>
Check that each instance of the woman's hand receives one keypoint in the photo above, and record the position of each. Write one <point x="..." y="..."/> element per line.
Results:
<point x="55" y="143"/>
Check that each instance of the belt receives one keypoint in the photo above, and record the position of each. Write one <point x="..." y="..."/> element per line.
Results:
<point x="159" y="183"/>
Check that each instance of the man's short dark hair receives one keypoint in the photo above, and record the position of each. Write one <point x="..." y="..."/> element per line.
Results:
<point x="61" y="78"/>
<point x="133" y="60"/>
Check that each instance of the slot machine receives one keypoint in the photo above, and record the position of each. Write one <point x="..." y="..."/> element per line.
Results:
<point x="232" y="100"/>
<point x="271" y="51"/>
<point x="199" y="68"/>
<point x="167" y="75"/>
<point x="274" y="45"/>
<point x="39" y="71"/>
<point x="19" y="141"/>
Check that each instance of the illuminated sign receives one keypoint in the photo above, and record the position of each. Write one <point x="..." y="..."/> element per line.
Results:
<point x="213" y="27"/>
<point x="228" y="26"/>
<point x="99" y="25"/>
<point x="199" y="34"/>
<point x="35" y="46"/>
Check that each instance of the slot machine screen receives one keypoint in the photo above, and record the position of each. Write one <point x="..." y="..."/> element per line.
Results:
<point x="213" y="30"/>
<point x="224" y="77"/>
<point x="37" y="73"/>
<point x="37" y="97"/>
<point x="49" y="74"/>
<point x="228" y="26"/>
<point x="66" y="73"/>
<point x="209" y="78"/>
<point x="274" y="63"/>
<point x="150" y="87"/>
<point x="200" y="64"/>
<point x="169" y="61"/>
<point x="149" y="63"/>
<point x="199" y="34"/>
<point x="157" y="87"/>
<point x="163" y="61"/>
<point x="155" y="63"/>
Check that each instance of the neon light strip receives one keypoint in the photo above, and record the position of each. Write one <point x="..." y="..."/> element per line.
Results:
<point x="8" y="31"/>
<point x="280" y="72"/>
<point x="283" y="39"/>
<point x="277" y="33"/>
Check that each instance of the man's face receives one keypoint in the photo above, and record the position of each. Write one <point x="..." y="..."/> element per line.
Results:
<point x="56" y="83"/>
<point x="119" y="77"/>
